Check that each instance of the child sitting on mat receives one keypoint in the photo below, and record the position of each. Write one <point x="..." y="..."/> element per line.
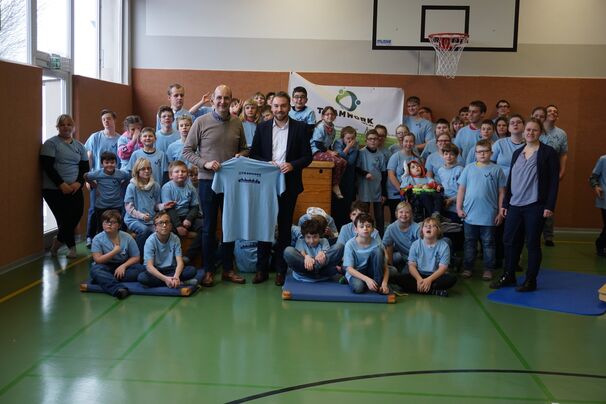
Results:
<point x="348" y="231"/>
<point x="115" y="255"/>
<point x="428" y="262"/>
<point x="163" y="258"/>
<point x="400" y="235"/>
<point x="364" y="258"/>
<point x="313" y="259"/>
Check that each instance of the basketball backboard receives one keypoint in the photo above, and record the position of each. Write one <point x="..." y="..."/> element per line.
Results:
<point x="492" y="25"/>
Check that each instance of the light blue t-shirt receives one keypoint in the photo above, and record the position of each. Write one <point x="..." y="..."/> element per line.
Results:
<point x="143" y="201"/>
<point x="396" y="165"/>
<point x="128" y="247"/>
<point x="245" y="253"/>
<point x="556" y="138"/>
<point x="306" y="115"/>
<point x="600" y="171"/>
<point x="401" y="240"/>
<point x="466" y="140"/>
<point x="312" y="251"/>
<point x="348" y="231"/>
<point x="67" y="160"/>
<point x="158" y="160"/>
<point x="430" y="147"/>
<point x="180" y="112"/>
<point x="422" y="128"/>
<point x="502" y="152"/>
<point x="429" y="257"/>
<point x="98" y="143"/>
<point x="109" y="188"/>
<point x="163" y="140"/>
<point x="375" y="164"/>
<point x="482" y="184"/>
<point x="321" y="137"/>
<point x="249" y="132"/>
<point x="352" y="153"/>
<point x="185" y="197"/>
<point x="163" y="254"/>
<point x="435" y="161"/>
<point x="356" y="256"/>
<point x="175" y="152"/>
<point x="251" y="189"/>
<point x="448" y="177"/>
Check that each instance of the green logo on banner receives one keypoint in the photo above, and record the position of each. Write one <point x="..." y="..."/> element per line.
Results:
<point x="347" y="100"/>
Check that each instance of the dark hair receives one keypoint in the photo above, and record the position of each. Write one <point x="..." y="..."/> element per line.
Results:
<point x="414" y="99"/>
<point x="426" y="109"/>
<point x="552" y="106"/>
<point x="535" y="109"/>
<point x="132" y="120"/>
<point x="535" y="120"/>
<point x="328" y="108"/>
<point x="379" y="126"/>
<point x="271" y="93"/>
<point x="148" y="129"/>
<point x="165" y="108"/>
<point x="488" y="122"/>
<point x="299" y="89"/>
<point x="371" y="132"/>
<point x="484" y="143"/>
<point x="312" y="226"/>
<point x="518" y="116"/>
<point x="346" y="130"/>
<point x="284" y="94"/>
<point x="502" y="102"/>
<point x="463" y="109"/>
<point x="108" y="156"/>
<point x="443" y="121"/>
<point x="176" y="163"/>
<point x="478" y="104"/>
<point x="504" y="119"/>
<point x="109" y="214"/>
<point x="364" y="218"/>
<point x="450" y="148"/>
<point x="160" y="214"/>
<point x="107" y="111"/>
<point x="363" y="207"/>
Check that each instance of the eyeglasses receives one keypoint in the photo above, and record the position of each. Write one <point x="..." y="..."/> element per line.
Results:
<point x="145" y="169"/>
<point x="503" y="106"/>
<point x="483" y="151"/>
<point x="162" y="223"/>
<point x="372" y="139"/>
<point x="299" y="97"/>
<point x="111" y="222"/>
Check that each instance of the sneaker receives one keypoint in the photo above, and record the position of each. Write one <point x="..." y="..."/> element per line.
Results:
<point x="343" y="281"/>
<point x="487" y="276"/>
<point x="190" y="282"/>
<point x="122" y="293"/>
<point x="466" y="274"/>
<point x="89" y="242"/>
<point x="438" y="292"/>
<point x="503" y="281"/>
<point x="549" y="243"/>
<point x="72" y="253"/>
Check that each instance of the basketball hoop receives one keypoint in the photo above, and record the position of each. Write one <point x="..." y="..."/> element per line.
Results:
<point x="449" y="47"/>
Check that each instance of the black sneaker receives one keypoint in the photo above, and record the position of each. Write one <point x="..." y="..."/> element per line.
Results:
<point x="549" y="243"/>
<point x="504" y="280"/>
<point x="122" y="294"/>
<point x="438" y="292"/>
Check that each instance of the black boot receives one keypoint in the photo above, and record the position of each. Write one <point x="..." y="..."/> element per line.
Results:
<point x="503" y="280"/>
<point x="529" y="285"/>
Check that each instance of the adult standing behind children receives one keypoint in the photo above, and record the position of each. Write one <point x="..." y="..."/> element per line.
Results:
<point x="214" y="138"/>
<point x="64" y="162"/>
<point x="530" y="197"/>
<point x="285" y="142"/>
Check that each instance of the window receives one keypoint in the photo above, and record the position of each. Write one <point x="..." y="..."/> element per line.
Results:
<point x="86" y="39"/>
<point x="13" y="30"/>
<point x="53" y="27"/>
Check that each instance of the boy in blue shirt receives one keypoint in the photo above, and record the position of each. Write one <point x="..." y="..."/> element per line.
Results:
<point x="115" y="255"/>
<point x="166" y="135"/>
<point x="175" y="149"/>
<point x="448" y="176"/>
<point x="182" y="198"/>
<point x="157" y="158"/>
<point x="364" y="259"/>
<point x="598" y="183"/>
<point x="313" y="259"/>
<point x="108" y="183"/>
<point x="162" y="256"/>
<point x="399" y="236"/>
<point x="428" y="262"/>
<point x="480" y="194"/>
<point x="348" y="231"/>
<point x="299" y="111"/>
<point x="372" y="177"/>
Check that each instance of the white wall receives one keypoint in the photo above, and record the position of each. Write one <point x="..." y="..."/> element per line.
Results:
<point x="557" y="38"/>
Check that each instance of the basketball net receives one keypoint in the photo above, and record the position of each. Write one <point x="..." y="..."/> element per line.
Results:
<point x="448" y="47"/>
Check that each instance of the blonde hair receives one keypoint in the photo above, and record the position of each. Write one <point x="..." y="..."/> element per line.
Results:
<point x="184" y="117"/>
<point x="404" y="205"/>
<point x="141" y="162"/>
<point x="436" y="222"/>
<point x="250" y="101"/>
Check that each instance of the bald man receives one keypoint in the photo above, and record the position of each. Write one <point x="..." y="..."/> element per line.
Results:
<point x="214" y="138"/>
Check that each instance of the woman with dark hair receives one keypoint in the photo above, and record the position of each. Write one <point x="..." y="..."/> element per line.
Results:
<point x="64" y="161"/>
<point x="530" y="198"/>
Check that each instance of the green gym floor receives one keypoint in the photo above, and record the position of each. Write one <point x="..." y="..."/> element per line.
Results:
<point x="242" y="342"/>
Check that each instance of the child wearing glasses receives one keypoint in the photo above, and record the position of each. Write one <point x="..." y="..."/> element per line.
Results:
<point x="115" y="255"/>
<point x="480" y="194"/>
<point x="163" y="258"/>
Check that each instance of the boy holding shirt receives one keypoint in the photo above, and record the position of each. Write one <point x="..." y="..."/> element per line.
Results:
<point x="480" y="194"/>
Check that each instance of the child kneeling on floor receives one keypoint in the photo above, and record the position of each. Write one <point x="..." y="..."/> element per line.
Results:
<point x="163" y="257"/>
<point x="313" y="259"/>
<point x="428" y="261"/>
<point x="364" y="258"/>
<point x="115" y="255"/>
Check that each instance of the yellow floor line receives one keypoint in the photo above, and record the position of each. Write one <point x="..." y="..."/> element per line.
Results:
<point x="574" y="242"/>
<point x="39" y="281"/>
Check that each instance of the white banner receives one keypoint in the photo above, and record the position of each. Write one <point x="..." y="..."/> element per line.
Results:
<point x="359" y="107"/>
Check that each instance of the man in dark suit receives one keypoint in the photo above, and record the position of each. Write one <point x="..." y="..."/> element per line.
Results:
<point x="284" y="142"/>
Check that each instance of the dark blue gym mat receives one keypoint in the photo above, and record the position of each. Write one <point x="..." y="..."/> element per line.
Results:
<point x="329" y="292"/>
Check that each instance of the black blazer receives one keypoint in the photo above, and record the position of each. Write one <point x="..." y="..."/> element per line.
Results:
<point x="548" y="173"/>
<point x="298" y="150"/>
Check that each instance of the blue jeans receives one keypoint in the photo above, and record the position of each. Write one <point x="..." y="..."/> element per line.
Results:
<point x="374" y="270"/>
<point x="523" y="222"/>
<point x="103" y="275"/>
<point x="210" y="203"/>
<point x="485" y="234"/>
<point x="147" y="279"/>
<point x="295" y="261"/>
<point x="143" y="231"/>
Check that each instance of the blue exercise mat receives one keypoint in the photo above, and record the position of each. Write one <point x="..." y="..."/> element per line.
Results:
<point x="567" y="292"/>
<point x="135" y="288"/>
<point x="329" y="292"/>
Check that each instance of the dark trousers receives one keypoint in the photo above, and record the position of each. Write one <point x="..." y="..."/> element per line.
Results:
<point x="147" y="279"/>
<point x="91" y="220"/>
<point x="409" y="284"/>
<point x="211" y="202"/>
<point x="67" y="210"/>
<point x="103" y="275"/>
<point x="286" y="209"/>
<point x="600" y="243"/>
<point x="523" y="223"/>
